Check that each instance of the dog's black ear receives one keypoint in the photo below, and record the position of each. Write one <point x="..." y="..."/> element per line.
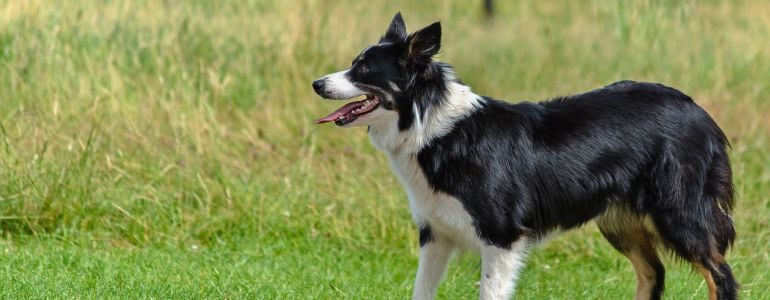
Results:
<point x="396" y="31"/>
<point x="424" y="44"/>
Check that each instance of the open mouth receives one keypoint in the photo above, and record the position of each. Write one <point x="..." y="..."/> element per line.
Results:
<point x="351" y="111"/>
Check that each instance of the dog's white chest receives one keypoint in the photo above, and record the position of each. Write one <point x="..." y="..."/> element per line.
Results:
<point x="443" y="213"/>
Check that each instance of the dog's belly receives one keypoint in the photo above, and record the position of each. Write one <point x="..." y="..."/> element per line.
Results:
<point x="444" y="214"/>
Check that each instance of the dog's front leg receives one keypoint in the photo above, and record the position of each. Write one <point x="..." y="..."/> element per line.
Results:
<point x="499" y="269"/>
<point x="435" y="251"/>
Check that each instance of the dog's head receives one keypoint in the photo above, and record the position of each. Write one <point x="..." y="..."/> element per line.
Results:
<point x="390" y="74"/>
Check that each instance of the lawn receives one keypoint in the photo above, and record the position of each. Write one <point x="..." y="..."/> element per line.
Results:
<point x="166" y="149"/>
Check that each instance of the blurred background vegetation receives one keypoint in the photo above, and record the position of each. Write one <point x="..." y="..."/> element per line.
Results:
<point x="167" y="148"/>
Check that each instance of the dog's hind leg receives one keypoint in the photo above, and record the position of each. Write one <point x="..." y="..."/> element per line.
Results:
<point x="435" y="252"/>
<point x="695" y="241"/>
<point x="690" y="197"/>
<point x="628" y="234"/>
<point x="500" y="268"/>
<point x="719" y="278"/>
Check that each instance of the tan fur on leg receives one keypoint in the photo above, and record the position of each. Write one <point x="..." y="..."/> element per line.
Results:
<point x="645" y="275"/>
<point x="709" y="280"/>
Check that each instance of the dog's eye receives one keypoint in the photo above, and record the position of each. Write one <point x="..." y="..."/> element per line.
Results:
<point x="364" y="69"/>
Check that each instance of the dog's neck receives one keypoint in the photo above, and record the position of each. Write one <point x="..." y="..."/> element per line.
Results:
<point x="437" y="120"/>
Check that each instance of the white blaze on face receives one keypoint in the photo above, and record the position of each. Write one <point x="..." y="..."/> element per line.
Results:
<point x="338" y="86"/>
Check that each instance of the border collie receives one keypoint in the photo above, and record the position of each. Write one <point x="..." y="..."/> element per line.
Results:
<point x="641" y="159"/>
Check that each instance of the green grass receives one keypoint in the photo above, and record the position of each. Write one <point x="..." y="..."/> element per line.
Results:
<point x="166" y="149"/>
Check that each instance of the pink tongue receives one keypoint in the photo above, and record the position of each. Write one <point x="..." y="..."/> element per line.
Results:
<point x="344" y="110"/>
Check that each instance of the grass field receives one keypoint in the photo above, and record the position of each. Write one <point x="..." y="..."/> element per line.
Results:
<point x="166" y="149"/>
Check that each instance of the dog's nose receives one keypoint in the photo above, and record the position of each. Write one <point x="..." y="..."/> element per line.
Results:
<point x="318" y="85"/>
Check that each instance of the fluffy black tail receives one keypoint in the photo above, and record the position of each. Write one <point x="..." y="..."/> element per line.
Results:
<point x="721" y="185"/>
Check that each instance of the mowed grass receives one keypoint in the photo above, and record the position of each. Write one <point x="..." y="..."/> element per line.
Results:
<point x="166" y="149"/>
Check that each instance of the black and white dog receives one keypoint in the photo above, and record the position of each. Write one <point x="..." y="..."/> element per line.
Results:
<point x="642" y="159"/>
